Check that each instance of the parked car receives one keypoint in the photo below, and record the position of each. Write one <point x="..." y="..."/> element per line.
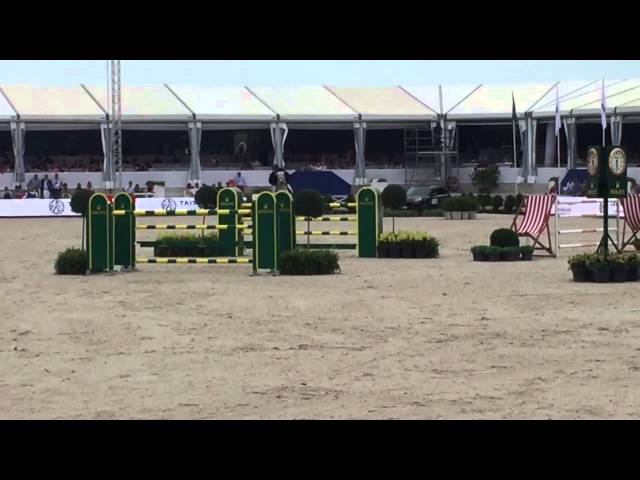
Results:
<point x="426" y="197"/>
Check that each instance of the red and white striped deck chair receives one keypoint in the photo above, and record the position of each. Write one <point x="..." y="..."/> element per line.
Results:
<point x="536" y="210"/>
<point x="631" y="208"/>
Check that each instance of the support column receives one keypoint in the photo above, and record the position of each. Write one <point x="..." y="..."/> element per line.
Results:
<point x="616" y="130"/>
<point x="360" y="136"/>
<point x="18" y="134"/>
<point x="195" y="140"/>
<point x="108" y="170"/>
<point x="279" y="133"/>
<point x="550" y="146"/>
<point x="571" y="133"/>
<point x="448" y="142"/>
<point x="532" y="167"/>
<point x="524" y="147"/>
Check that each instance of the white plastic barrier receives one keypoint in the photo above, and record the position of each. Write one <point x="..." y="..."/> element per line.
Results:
<point x="583" y="207"/>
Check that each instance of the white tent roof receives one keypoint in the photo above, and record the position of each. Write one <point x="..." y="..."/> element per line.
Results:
<point x="51" y="103"/>
<point x="305" y="104"/>
<point x="620" y="94"/>
<point x="383" y="103"/>
<point x="231" y="104"/>
<point x="6" y="112"/>
<point x="145" y="103"/>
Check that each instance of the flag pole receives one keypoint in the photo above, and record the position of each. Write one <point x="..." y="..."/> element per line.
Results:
<point x="514" y="119"/>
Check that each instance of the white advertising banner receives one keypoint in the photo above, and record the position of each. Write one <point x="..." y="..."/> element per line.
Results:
<point x="583" y="206"/>
<point x="34" y="207"/>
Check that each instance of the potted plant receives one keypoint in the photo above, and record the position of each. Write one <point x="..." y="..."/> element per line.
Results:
<point x="510" y="254"/>
<point x="485" y="178"/>
<point x="421" y="245"/>
<point x="433" y="247"/>
<point x="633" y="263"/>
<point x="636" y="244"/>
<point x="477" y="252"/>
<point x="504" y="237"/>
<point x="578" y="266"/>
<point x="406" y="244"/>
<point x="526" y="252"/>
<point x="384" y="243"/>
<point x="599" y="268"/>
<point x="493" y="254"/>
<point x="618" y="266"/>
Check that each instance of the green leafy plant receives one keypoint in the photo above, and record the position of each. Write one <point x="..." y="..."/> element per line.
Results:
<point x="206" y="197"/>
<point x="72" y="261"/>
<point x="496" y="202"/>
<point x="493" y="253"/>
<point x="394" y="197"/>
<point x="309" y="262"/>
<point x="519" y="199"/>
<point x="526" y="252"/>
<point x="510" y="253"/>
<point x="308" y="203"/>
<point x="636" y="244"/>
<point x="460" y="204"/>
<point x="486" y="178"/>
<point x="187" y="245"/>
<point x="579" y="260"/>
<point x="484" y="201"/>
<point x="504" y="237"/>
<point x="433" y="213"/>
<point x="633" y="259"/>
<point x="509" y="203"/>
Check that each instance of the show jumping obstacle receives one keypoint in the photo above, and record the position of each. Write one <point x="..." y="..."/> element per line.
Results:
<point x="112" y="238"/>
<point x="568" y="202"/>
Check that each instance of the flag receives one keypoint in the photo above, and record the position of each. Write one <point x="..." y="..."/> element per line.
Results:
<point x="557" y="113"/>
<point x="603" y="109"/>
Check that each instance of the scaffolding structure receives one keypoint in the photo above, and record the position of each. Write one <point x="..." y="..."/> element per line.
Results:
<point x="115" y="118"/>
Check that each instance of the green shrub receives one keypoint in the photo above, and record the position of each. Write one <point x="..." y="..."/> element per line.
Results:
<point x="507" y="252"/>
<point x="579" y="260"/>
<point x="484" y="200"/>
<point x="394" y="197"/>
<point x="504" y="237"/>
<point x="519" y="199"/>
<point x="633" y="259"/>
<point x="411" y="239"/>
<point x="80" y="201"/>
<point x="73" y="261"/>
<point x="309" y="262"/>
<point x="433" y="213"/>
<point x="496" y="202"/>
<point x="308" y="203"/>
<point x="206" y="197"/>
<point x="509" y="203"/>
<point x="187" y="245"/>
<point x="460" y="204"/>
<point x="526" y="249"/>
<point x="486" y="178"/>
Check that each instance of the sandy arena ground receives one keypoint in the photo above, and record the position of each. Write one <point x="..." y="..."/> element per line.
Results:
<point x="408" y="339"/>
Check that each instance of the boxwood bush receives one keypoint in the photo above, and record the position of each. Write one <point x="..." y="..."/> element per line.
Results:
<point x="187" y="245"/>
<point x="309" y="262"/>
<point x="504" y="237"/>
<point x="509" y="203"/>
<point x="73" y="261"/>
<point x="496" y="202"/>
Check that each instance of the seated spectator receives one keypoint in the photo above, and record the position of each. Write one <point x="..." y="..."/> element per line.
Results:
<point x="34" y="183"/>
<point x="65" y="191"/>
<point x="79" y="186"/>
<point x="6" y="194"/>
<point x="240" y="182"/>
<point x="188" y="192"/>
<point x="137" y="189"/>
<point x="56" y="187"/>
<point x="89" y="186"/>
<point x="130" y="189"/>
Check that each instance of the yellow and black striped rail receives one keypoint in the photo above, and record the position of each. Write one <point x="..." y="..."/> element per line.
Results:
<point x="328" y="232"/>
<point x="192" y="213"/>
<point x="196" y="260"/>
<point x="342" y="205"/>
<point x="192" y="227"/>
<point x="327" y="219"/>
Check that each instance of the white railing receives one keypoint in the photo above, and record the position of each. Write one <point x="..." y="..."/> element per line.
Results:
<point x="580" y="207"/>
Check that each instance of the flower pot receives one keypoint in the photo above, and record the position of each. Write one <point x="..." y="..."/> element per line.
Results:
<point x="580" y="274"/>
<point x="483" y="257"/>
<point x="421" y="252"/>
<point x="494" y="257"/>
<point x="601" y="275"/>
<point x="527" y="256"/>
<point x="619" y="273"/>
<point x="407" y="252"/>
<point x="476" y="256"/>
<point x="394" y="251"/>
<point x="632" y="273"/>
<point x="383" y="251"/>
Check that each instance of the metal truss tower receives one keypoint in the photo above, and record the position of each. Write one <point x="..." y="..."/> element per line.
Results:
<point x="116" y="119"/>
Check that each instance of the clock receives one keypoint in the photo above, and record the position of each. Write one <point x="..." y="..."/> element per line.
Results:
<point x="617" y="161"/>
<point x="592" y="162"/>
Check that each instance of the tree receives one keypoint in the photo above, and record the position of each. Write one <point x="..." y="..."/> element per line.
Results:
<point x="394" y="197"/>
<point x="308" y="203"/>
